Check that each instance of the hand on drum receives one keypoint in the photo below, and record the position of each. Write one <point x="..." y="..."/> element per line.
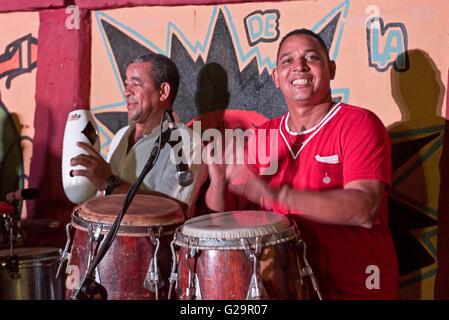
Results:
<point x="97" y="169"/>
<point x="244" y="182"/>
<point x="224" y="169"/>
<point x="215" y="166"/>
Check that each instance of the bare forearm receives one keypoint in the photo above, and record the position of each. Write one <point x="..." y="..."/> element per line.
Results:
<point x="219" y="198"/>
<point x="342" y="206"/>
<point x="358" y="203"/>
<point x="216" y="197"/>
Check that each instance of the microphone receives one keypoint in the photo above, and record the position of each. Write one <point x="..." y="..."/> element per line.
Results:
<point x="184" y="175"/>
<point x="23" y="194"/>
<point x="30" y="193"/>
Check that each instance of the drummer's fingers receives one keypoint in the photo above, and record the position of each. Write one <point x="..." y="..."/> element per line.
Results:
<point x="244" y="189"/>
<point x="229" y="150"/>
<point x="213" y="152"/>
<point x="85" y="172"/>
<point x="81" y="160"/>
<point x="238" y="172"/>
<point x="210" y="149"/>
<point x="235" y="148"/>
<point x="252" y="189"/>
<point x="79" y="172"/>
<point x="88" y="148"/>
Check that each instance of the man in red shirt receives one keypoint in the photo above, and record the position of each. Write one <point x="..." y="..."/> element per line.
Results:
<point x="333" y="174"/>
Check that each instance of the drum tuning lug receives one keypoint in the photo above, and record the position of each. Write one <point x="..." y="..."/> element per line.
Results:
<point x="64" y="255"/>
<point x="192" y="243"/>
<point x="192" y="252"/>
<point x="173" y="277"/>
<point x="256" y="290"/>
<point x="248" y="252"/>
<point x="193" y="292"/>
<point x="98" y="236"/>
<point x="174" y="274"/>
<point x="153" y="280"/>
<point x="152" y="235"/>
<point x="307" y="271"/>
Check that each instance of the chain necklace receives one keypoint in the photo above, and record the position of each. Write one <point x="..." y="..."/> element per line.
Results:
<point x="295" y="130"/>
<point x="294" y="142"/>
<point x="291" y="139"/>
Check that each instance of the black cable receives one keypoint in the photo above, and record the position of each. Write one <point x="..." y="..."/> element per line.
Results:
<point x="126" y="203"/>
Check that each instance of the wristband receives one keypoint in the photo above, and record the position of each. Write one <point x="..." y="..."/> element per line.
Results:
<point x="113" y="181"/>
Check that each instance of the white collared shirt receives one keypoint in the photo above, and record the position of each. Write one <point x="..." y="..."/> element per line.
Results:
<point x="162" y="177"/>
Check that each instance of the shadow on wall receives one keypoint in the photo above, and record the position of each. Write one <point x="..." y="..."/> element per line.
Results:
<point x="212" y="96"/>
<point x="418" y="93"/>
<point x="212" y="89"/>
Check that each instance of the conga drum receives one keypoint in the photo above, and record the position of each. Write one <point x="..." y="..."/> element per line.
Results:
<point x="139" y="254"/>
<point x="238" y="255"/>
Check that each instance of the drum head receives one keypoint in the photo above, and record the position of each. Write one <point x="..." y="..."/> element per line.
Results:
<point x="145" y="210"/>
<point x="235" y="225"/>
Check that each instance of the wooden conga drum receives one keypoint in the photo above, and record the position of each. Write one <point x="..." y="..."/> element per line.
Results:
<point x="238" y="255"/>
<point x="124" y="268"/>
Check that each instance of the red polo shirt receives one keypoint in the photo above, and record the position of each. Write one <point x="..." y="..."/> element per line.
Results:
<point x="348" y="144"/>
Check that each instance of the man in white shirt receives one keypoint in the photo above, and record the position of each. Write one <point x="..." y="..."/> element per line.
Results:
<point x="151" y="85"/>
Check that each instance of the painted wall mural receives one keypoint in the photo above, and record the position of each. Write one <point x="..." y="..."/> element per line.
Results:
<point x="389" y="59"/>
<point x="18" y="58"/>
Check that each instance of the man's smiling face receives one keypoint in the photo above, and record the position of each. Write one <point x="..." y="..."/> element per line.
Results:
<point x="303" y="71"/>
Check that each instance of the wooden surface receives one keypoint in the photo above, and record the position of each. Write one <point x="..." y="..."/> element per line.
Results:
<point x="145" y="210"/>
<point x="124" y="267"/>
<point x="226" y="275"/>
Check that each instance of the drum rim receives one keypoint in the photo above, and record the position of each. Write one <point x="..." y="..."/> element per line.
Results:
<point x="124" y="230"/>
<point x="39" y="257"/>
<point x="89" y="212"/>
<point x="219" y="221"/>
<point x="268" y="240"/>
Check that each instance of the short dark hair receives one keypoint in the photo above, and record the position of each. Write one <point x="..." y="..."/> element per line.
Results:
<point x="163" y="69"/>
<point x="306" y="32"/>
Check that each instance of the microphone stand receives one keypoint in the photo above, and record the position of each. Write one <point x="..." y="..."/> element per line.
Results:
<point x="89" y="289"/>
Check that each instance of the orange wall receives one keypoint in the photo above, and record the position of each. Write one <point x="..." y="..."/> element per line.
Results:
<point x="409" y="97"/>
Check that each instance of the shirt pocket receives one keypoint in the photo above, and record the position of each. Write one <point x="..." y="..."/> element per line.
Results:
<point x="326" y="175"/>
